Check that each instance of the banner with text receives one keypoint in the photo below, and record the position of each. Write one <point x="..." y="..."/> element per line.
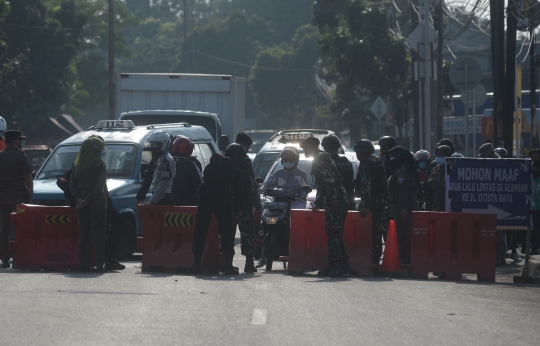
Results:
<point x="490" y="186"/>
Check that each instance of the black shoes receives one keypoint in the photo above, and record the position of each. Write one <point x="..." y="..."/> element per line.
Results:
<point x="114" y="266"/>
<point x="231" y="270"/>
<point x="341" y="270"/>
<point x="86" y="269"/>
<point x="327" y="270"/>
<point x="250" y="266"/>
<point x="100" y="270"/>
<point x="195" y="268"/>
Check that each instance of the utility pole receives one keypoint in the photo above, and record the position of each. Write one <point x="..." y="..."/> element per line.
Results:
<point x="112" y="89"/>
<point x="510" y="78"/>
<point x="427" y="80"/>
<point x="440" y="103"/>
<point x="185" y="57"/>
<point x="417" y="142"/>
<point x="532" y="58"/>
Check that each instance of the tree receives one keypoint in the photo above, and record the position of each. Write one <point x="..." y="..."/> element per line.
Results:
<point x="363" y="59"/>
<point x="283" y="80"/>
<point x="35" y="60"/>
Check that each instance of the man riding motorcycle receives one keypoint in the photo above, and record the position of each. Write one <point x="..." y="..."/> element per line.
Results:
<point x="289" y="178"/>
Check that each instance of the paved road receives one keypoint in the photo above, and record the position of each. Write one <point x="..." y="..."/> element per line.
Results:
<point x="135" y="308"/>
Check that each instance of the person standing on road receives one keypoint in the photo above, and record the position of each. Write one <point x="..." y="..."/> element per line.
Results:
<point x="534" y="154"/>
<point x="403" y="197"/>
<point x="223" y="185"/>
<point x="249" y="202"/>
<point x="435" y="186"/>
<point x="89" y="187"/>
<point x="372" y="188"/>
<point x="332" y="197"/>
<point x="164" y="171"/>
<point x="3" y="128"/>
<point x="385" y="144"/>
<point x="331" y="145"/>
<point x="16" y="186"/>
<point x="188" y="177"/>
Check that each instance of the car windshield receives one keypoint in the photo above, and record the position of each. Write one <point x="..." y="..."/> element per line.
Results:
<point x="36" y="157"/>
<point x="305" y="165"/>
<point x="264" y="163"/>
<point x="119" y="159"/>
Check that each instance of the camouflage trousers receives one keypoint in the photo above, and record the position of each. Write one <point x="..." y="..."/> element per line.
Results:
<point x="378" y="228"/>
<point x="246" y="224"/>
<point x="337" y="251"/>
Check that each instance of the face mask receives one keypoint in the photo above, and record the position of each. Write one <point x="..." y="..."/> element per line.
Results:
<point x="288" y="165"/>
<point x="440" y="160"/>
<point x="536" y="164"/>
<point x="422" y="164"/>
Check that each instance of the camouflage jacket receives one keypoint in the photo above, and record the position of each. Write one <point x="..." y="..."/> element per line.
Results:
<point x="253" y="198"/>
<point x="328" y="181"/>
<point x="435" y="189"/>
<point x="371" y="185"/>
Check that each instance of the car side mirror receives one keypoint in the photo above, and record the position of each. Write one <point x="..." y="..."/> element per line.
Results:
<point x="223" y="142"/>
<point x="307" y="188"/>
<point x="259" y="180"/>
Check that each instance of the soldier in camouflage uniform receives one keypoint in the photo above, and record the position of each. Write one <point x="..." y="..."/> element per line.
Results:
<point x="331" y="144"/>
<point x="246" y="221"/>
<point x="403" y="197"/>
<point x="332" y="197"/>
<point x="434" y="186"/>
<point x="371" y="186"/>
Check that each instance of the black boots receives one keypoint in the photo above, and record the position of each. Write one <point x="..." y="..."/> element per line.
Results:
<point x="250" y="266"/>
<point x="196" y="267"/>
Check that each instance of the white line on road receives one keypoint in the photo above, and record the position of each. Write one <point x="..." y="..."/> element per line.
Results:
<point x="261" y="286"/>
<point x="259" y="317"/>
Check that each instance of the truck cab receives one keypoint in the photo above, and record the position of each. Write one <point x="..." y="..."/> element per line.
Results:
<point x="127" y="160"/>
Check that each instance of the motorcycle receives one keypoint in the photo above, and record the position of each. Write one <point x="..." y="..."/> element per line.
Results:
<point x="276" y="222"/>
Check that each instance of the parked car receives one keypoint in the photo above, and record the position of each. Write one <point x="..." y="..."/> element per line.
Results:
<point x="37" y="154"/>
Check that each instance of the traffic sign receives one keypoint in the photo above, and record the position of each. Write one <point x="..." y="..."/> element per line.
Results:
<point x="458" y="73"/>
<point x="378" y="108"/>
<point x="479" y="96"/>
<point x="417" y="37"/>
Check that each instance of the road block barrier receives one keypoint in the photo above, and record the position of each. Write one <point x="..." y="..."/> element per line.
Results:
<point x="168" y="239"/>
<point x="46" y="238"/>
<point x="308" y="247"/>
<point x="454" y="244"/>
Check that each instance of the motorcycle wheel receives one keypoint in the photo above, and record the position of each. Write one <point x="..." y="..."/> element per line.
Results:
<point x="271" y="251"/>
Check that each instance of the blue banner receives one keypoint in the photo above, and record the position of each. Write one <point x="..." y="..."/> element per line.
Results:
<point x="490" y="186"/>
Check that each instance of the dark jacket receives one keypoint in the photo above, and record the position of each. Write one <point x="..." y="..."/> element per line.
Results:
<point x="371" y="184"/>
<point x="186" y="182"/>
<point x="91" y="185"/>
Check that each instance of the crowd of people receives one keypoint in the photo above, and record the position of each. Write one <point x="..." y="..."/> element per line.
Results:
<point x="391" y="186"/>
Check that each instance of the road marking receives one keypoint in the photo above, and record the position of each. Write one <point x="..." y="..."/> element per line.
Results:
<point x="261" y="286"/>
<point x="259" y="317"/>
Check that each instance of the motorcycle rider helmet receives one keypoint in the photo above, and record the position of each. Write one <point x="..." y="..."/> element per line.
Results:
<point x="3" y="126"/>
<point x="160" y="140"/>
<point x="457" y="155"/>
<point x="331" y="142"/>
<point x="289" y="154"/>
<point x="502" y="152"/>
<point x="234" y="151"/>
<point x="364" y="146"/>
<point x="182" y="145"/>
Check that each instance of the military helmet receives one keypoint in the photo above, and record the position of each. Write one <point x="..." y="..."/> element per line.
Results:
<point x="387" y="143"/>
<point x="364" y="146"/>
<point x="448" y="142"/>
<point x="331" y="142"/>
<point x="235" y="150"/>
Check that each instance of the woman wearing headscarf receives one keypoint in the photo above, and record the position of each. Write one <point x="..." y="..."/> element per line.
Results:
<point x="88" y="185"/>
<point x="403" y="185"/>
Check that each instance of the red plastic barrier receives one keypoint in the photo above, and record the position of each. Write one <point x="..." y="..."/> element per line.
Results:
<point x="46" y="238"/>
<point x="454" y="244"/>
<point x="308" y="247"/>
<point x="168" y="239"/>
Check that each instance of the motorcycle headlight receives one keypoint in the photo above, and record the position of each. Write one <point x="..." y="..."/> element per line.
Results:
<point x="272" y="220"/>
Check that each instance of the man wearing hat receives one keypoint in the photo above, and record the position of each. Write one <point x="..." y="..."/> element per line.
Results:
<point x="486" y="151"/>
<point x="16" y="186"/>
<point x="331" y="196"/>
<point x="246" y="220"/>
<point x="435" y="186"/>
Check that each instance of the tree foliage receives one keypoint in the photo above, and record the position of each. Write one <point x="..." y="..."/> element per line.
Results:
<point x="362" y="58"/>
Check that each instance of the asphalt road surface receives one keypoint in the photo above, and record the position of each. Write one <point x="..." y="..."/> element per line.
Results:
<point x="134" y="308"/>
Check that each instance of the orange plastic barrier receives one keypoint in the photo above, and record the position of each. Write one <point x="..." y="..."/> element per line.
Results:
<point x="168" y="239"/>
<point x="308" y="247"/>
<point x="454" y="244"/>
<point x="46" y="238"/>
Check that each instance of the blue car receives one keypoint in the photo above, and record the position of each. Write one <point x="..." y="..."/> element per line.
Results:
<point x="127" y="160"/>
